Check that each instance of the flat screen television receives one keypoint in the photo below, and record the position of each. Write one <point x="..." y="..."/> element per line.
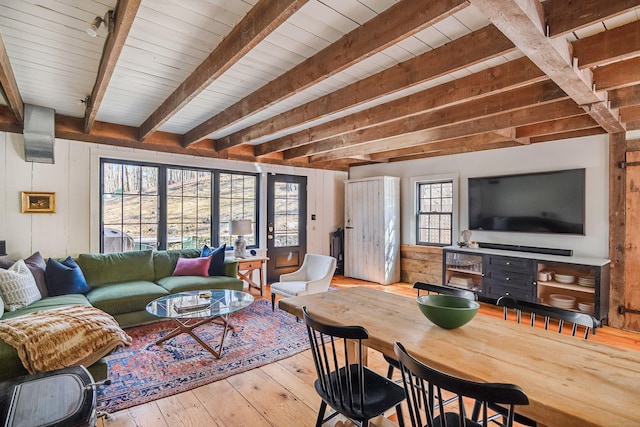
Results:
<point x="544" y="202"/>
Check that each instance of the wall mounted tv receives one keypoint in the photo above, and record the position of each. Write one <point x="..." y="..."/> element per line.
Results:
<point x="545" y="202"/>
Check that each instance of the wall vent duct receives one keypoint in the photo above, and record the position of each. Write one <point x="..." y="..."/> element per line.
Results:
<point x="39" y="133"/>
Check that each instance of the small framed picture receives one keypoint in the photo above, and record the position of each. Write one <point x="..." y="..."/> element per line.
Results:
<point x="33" y="202"/>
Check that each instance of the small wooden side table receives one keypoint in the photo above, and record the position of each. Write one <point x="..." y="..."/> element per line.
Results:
<point x="246" y="267"/>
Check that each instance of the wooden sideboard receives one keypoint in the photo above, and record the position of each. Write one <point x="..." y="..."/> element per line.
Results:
<point x="494" y="273"/>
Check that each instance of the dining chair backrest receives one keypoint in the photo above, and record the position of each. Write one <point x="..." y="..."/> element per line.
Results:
<point x="428" y="410"/>
<point x="548" y="313"/>
<point x="444" y="289"/>
<point x="344" y="382"/>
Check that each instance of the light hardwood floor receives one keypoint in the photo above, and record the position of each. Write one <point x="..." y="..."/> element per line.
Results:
<point x="281" y="393"/>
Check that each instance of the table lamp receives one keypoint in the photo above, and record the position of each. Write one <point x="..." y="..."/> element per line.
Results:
<point x="240" y="227"/>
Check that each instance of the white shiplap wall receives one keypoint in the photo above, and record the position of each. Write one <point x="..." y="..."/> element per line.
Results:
<point x="74" y="178"/>
<point x="590" y="153"/>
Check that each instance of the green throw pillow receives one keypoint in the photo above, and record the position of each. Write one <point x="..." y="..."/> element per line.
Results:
<point x="102" y="269"/>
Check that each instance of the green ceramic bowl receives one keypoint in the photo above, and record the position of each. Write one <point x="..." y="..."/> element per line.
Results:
<point x="447" y="311"/>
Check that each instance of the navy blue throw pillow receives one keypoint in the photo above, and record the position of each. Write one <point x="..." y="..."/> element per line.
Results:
<point x="65" y="278"/>
<point x="216" y="266"/>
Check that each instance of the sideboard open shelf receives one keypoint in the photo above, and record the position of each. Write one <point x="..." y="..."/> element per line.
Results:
<point x="492" y="273"/>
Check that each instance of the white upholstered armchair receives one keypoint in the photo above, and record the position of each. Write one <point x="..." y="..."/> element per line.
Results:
<point x="314" y="276"/>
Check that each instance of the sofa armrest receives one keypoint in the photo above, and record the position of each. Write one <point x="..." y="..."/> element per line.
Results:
<point x="230" y="268"/>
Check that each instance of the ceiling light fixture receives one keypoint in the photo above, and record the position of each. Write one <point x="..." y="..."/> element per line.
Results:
<point x="108" y="20"/>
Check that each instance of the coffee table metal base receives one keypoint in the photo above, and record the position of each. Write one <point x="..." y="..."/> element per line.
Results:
<point x="186" y="326"/>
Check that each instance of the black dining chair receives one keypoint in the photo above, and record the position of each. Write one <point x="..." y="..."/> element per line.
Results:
<point x="431" y="289"/>
<point x="548" y="313"/>
<point x="427" y="409"/>
<point x="346" y="385"/>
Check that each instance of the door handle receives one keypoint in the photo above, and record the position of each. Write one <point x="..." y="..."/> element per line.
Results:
<point x="270" y="236"/>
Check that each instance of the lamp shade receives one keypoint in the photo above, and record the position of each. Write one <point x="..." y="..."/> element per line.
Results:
<point x="241" y="227"/>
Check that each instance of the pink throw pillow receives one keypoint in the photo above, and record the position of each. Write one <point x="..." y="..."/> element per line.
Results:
<point x="192" y="267"/>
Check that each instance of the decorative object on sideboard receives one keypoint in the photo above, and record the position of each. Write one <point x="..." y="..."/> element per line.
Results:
<point x="240" y="227"/>
<point x="38" y="202"/>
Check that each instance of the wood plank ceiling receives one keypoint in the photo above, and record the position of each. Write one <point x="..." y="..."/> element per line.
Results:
<point x="323" y="83"/>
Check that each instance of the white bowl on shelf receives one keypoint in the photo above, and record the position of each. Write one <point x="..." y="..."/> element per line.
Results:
<point x="564" y="278"/>
<point x="562" y="301"/>
<point x="587" y="307"/>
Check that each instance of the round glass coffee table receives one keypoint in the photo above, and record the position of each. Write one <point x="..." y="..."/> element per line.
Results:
<point x="195" y="308"/>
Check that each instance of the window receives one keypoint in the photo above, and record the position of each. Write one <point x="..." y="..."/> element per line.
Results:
<point x="130" y="201"/>
<point x="286" y="209"/>
<point x="188" y="208"/>
<point x="238" y="200"/>
<point x="434" y="222"/>
<point x="168" y="207"/>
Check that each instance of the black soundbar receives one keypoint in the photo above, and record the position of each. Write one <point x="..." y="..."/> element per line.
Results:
<point x="533" y="249"/>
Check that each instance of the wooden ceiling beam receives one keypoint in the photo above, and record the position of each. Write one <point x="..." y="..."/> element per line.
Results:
<point x="617" y="75"/>
<point x="519" y="98"/>
<point x="418" y="150"/>
<point x="597" y="130"/>
<point x="72" y="128"/>
<point x="473" y="48"/>
<point x="625" y="97"/>
<point x="262" y="20"/>
<point x="564" y="16"/>
<point x="608" y="46"/>
<point x="502" y="77"/>
<point x="125" y="14"/>
<point x="8" y="120"/>
<point x="556" y="126"/>
<point x="461" y="150"/>
<point x="522" y="21"/>
<point x="630" y="114"/>
<point x="526" y="116"/>
<point x="9" y="86"/>
<point x="397" y="23"/>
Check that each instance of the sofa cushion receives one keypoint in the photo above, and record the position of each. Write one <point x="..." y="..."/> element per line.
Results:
<point x="36" y="264"/>
<point x="104" y="269"/>
<point x="216" y="266"/>
<point x="125" y="297"/>
<point x="192" y="267"/>
<point x="164" y="262"/>
<point x="47" y="303"/>
<point x="65" y="278"/>
<point x="175" y="284"/>
<point x="18" y="287"/>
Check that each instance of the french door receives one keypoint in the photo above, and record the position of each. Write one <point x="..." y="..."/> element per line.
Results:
<point x="286" y="224"/>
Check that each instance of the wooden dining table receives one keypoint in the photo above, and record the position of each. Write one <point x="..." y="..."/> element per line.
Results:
<point x="570" y="382"/>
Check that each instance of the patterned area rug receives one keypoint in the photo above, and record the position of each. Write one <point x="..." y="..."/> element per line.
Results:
<point x="145" y="372"/>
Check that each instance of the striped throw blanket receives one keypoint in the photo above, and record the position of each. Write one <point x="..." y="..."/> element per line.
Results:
<point x="62" y="337"/>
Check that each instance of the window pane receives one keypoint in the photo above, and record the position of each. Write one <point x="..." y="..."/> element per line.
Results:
<point x="238" y="201"/>
<point x="129" y="207"/>
<point x="435" y="213"/>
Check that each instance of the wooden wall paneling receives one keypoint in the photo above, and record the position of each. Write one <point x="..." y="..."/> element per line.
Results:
<point x="3" y="185"/>
<point x="617" y="254"/>
<point x="17" y="178"/>
<point x="628" y="294"/>
<point x="50" y="232"/>
<point x="79" y="200"/>
<point x="421" y="264"/>
<point x="3" y="188"/>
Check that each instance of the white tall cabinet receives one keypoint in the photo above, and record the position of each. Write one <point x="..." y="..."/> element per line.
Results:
<point x="372" y="229"/>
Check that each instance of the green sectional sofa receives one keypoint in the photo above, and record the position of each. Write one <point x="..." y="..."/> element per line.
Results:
<point x="122" y="284"/>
